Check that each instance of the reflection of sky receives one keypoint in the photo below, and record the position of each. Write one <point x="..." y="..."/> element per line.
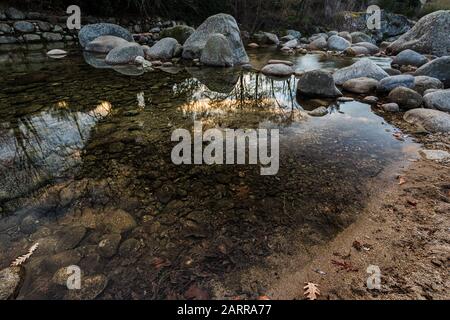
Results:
<point x="44" y="144"/>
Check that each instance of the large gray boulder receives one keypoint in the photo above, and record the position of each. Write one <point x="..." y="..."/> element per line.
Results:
<point x="424" y="83"/>
<point x="164" y="49"/>
<point x="363" y="68"/>
<point x="390" y="83"/>
<point x="318" y="83"/>
<point x="438" y="68"/>
<point x="430" y="120"/>
<point x="217" y="52"/>
<point x="93" y="31"/>
<point x="360" y="85"/>
<point x="219" y="23"/>
<point x="405" y="98"/>
<point x="409" y="57"/>
<point x="439" y="100"/>
<point x="430" y="35"/>
<point x="292" y="44"/>
<point x="105" y="44"/>
<point x="10" y="281"/>
<point x="336" y="43"/>
<point x="124" y="54"/>
<point x="278" y="70"/>
<point x="180" y="33"/>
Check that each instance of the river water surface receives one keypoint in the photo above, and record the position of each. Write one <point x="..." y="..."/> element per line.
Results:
<point x="85" y="171"/>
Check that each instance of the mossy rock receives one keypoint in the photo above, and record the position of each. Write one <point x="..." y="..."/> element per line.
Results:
<point x="180" y="33"/>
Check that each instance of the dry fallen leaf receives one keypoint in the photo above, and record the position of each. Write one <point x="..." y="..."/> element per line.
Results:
<point x="311" y="291"/>
<point x="22" y="259"/>
<point x="401" y="181"/>
<point x="263" y="298"/>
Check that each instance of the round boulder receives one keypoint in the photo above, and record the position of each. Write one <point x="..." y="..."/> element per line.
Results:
<point x="363" y="68"/>
<point x="337" y="43"/>
<point x="164" y="49"/>
<point x="438" y="68"/>
<point x="424" y="83"/>
<point x="124" y="54"/>
<point x="105" y="44"/>
<point x="409" y="57"/>
<point x="278" y="70"/>
<point x="430" y="120"/>
<point x="390" y="83"/>
<point x="439" y="100"/>
<point x="217" y="52"/>
<point x="361" y="85"/>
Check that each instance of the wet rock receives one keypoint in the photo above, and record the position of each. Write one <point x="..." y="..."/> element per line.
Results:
<point x="435" y="155"/>
<point x="109" y="244"/>
<point x="372" y="48"/>
<point x="318" y="112"/>
<point x="361" y="37"/>
<point x="430" y="120"/>
<point x="14" y="14"/>
<point x="93" y="31"/>
<point x="354" y="51"/>
<point x="124" y="54"/>
<point x="104" y="44"/>
<point x="288" y="63"/>
<point x="129" y="247"/>
<point x="438" y="68"/>
<point x="62" y="259"/>
<point x="409" y="58"/>
<point x="164" y="49"/>
<point x="57" y="53"/>
<point x="220" y="23"/>
<point x="439" y="100"/>
<point x="44" y="26"/>
<point x="363" y="68"/>
<point x="91" y="288"/>
<point x="24" y="26"/>
<point x="424" y="83"/>
<point x="29" y="224"/>
<point x="278" y="70"/>
<point x="10" y="282"/>
<point x="318" y="44"/>
<point x="180" y="33"/>
<point x="253" y="45"/>
<point x="318" y="83"/>
<point x="390" y="107"/>
<point x="5" y="28"/>
<point x="392" y="72"/>
<point x="337" y="43"/>
<point x="291" y="44"/>
<point x="61" y="276"/>
<point x="390" y="83"/>
<point x="117" y="221"/>
<point x="406" y="98"/>
<point x="430" y="35"/>
<point x="361" y="85"/>
<point x="69" y="237"/>
<point x="217" y="52"/>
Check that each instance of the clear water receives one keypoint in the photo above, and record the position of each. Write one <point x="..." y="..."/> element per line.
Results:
<point x="80" y="146"/>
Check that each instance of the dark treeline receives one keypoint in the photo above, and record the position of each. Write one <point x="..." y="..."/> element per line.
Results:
<point x="252" y="14"/>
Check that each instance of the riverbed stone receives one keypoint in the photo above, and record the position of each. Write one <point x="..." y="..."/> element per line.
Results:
<point x="8" y="40"/>
<point x="428" y="119"/>
<point x="354" y="51"/>
<point x="31" y="38"/>
<point x="278" y="70"/>
<point x="318" y="112"/>
<point x="317" y="83"/>
<point x="91" y="288"/>
<point x="435" y="155"/>
<point x="390" y="83"/>
<point x="361" y="85"/>
<point x="424" y="83"/>
<point x="109" y="244"/>
<point x="117" y="221"/>
<point x="104" y="44"/>
<point x="5" y="28"/>
<point x="217" y="52"/>
<point x="10" y="281"/>
<point x="430" y="35"/>
<point x="180" y="33"/>
<point x="220" y="23"/>
<point x="439" y="100"/>
<point x="346" y="35"/>
<point x="406" y="98"/>
<point x="318" y="44"/>
<point x="44" y="26"/>
<point x="438" y="68"/>
<point x="266" y="38"/>
<point x="124" y="54"/>
<point x="358" y="36"/>
<point x="336" y="43"/>
<point x="164" y="49"/>
<point x="93" y="31"/>
<point x="372" y="48"/>
<point x="363" y="68"/>
<point x="390" y="107"/>
<point x="409" y="57"/>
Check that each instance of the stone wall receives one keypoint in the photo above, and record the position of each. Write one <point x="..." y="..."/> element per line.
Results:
<point x="29" y="28"/>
